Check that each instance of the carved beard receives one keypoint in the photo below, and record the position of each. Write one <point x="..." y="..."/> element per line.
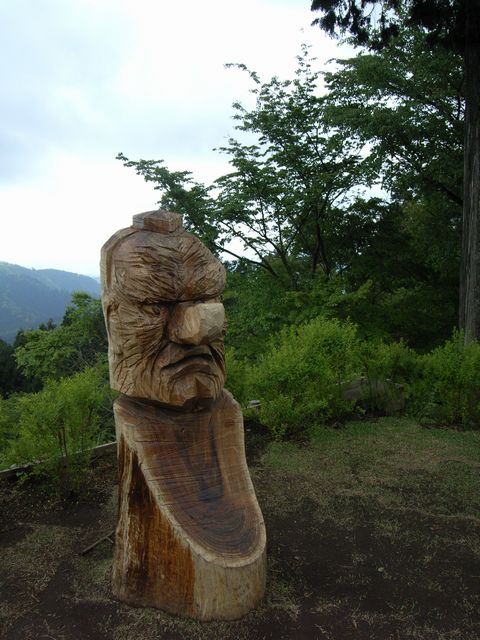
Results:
<point x="147" y="365"/>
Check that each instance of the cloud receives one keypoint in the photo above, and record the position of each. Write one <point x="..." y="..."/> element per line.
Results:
<point x="62" y="220"/>
<point x="55" y="68"/>
<point x="85" y="79"/>
<point x="144" y="74"/>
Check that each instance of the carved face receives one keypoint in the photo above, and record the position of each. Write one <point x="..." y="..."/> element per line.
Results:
<point x="164" y="317"/>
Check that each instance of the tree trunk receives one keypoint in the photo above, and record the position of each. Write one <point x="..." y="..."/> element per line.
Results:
<point x="469" y="316"/>
<point x="190" y="536"/>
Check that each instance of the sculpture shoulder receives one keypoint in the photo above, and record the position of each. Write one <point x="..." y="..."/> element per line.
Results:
<point x="227" y="404"/>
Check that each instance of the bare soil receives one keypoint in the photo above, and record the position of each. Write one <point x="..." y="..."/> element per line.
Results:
<point x="355" y="551"/>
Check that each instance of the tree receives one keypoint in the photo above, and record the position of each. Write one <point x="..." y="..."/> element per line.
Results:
<point x="10" y="377"/>
<point x="391" y="264"/>
<point x="290" y="198"/>
<point x="404" y="106"/>
<point x="454" y="24"/>
<point x="44" y="354"/>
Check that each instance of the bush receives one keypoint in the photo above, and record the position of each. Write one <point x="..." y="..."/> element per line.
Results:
<point x="449" y="391"/>
<point x="58" y="425"/>
<point x="318" y="371"/>
<point x="298" y="379"/>
<point x="9" y="415"/>
<point x="385" y="367"/>
<point x="54" y="352"/>
<point x="237" y="375"/>
<point x="390" y="361"/>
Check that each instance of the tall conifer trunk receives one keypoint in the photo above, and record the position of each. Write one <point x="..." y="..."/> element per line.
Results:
<point x="469" y="317"/>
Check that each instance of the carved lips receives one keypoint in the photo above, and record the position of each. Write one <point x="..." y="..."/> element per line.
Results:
<point x="193" y="376"/>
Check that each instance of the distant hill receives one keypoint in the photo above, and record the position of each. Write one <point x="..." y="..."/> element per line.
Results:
<point x="29" y="297"/>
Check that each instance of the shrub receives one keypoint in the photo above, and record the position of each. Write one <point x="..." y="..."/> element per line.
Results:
<point x="58" y="425"/>
<point x="237" y="375"/>
<point x="298" y="379"/>
<point x="387" y="365"/>
<point x="55" y="352"/>
<point x="390" y="361"/>
<point x="9" y="416"/>
<point x="449" y="391"/>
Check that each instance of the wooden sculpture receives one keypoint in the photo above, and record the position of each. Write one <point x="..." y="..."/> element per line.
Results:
<point x="190" y="537"/>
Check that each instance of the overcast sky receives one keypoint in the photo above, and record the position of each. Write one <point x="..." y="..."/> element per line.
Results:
<point x="82" y="80"/>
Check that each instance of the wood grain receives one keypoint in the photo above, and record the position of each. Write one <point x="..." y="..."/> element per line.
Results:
<point x="187" y="501"/>
<point x="146" y="276"/>
<point x="190" y="537"/>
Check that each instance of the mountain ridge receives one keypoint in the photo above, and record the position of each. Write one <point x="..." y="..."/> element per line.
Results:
<point x="29" y="297"/>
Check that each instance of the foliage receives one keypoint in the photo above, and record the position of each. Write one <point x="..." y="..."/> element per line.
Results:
<point x="9" y="416"/>
<point x="407" y="103"/>
<point x="10" y="377"/>
<point x="394" y="360"/>
<point x="449" y="390"/>
<point x="313" y="245"/>
<point x="57" y="426"/>
<point x="301" y="374"/>
<point x="406" y="298"/>
<point x="254" y="308"/>
<point x="258" y="307"/>
<point x="298" y="378"/>
<point x="45" y="354"/>
<point x="391" y="372"/>
<point x="237" y="376"/>
<point x="384" y="308"/>
<point x="404" y="106"/>
<point x="291" y="197"/>
<point x="455" y="26"/>
<point x="374" y="22"/>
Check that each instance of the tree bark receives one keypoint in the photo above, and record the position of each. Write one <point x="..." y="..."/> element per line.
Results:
<point x="469" y="316"/>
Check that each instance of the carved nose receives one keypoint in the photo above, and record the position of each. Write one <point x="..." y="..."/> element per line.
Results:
<point x="196" y="323"/>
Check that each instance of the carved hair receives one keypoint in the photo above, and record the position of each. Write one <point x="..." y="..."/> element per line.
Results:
<point x="171" y="266"/>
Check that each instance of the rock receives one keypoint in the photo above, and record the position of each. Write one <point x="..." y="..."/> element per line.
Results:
<point x="375" y="394"/>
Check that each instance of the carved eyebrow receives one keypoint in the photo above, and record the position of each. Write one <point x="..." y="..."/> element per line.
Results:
<point x="173" y="303"/>
<point x="161" y="304"/>
<point x="157" y="308"/>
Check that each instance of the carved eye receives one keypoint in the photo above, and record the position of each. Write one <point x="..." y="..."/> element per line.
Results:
<point x="157" y="309"/>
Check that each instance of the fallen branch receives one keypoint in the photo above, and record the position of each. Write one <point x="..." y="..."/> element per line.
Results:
<point x="97" y="451"/>
<point x="108" y="537"/>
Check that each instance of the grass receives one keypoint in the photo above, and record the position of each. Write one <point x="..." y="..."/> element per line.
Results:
<point x="395" y="462"/>
<point x="30" y="566"/>
<point x="397" y="507"/>
<point x="373" y="533"/>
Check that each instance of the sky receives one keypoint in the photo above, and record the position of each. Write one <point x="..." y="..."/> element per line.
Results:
<point x="82" y="80"/>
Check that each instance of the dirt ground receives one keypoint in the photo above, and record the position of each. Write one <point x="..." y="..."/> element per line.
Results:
<point x="373" y="533"/>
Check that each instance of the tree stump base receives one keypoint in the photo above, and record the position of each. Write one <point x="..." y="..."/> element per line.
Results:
<point x="190" y="537"/>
